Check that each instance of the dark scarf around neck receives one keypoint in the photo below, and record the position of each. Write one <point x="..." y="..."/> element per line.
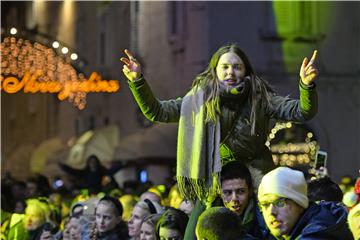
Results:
<point x="239" y="91"/>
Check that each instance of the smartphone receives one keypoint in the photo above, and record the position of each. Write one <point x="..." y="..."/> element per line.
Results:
<point x="320" y="160"/>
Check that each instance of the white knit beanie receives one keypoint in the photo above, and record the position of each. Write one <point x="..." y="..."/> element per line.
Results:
<point x="287" y="183"/>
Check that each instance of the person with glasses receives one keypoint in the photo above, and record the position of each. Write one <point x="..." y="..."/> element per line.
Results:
<point x="288" y="214"/>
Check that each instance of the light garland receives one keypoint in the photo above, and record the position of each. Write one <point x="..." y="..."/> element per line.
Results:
<point x="42" y="70"/>
<point x="290" y="154"/>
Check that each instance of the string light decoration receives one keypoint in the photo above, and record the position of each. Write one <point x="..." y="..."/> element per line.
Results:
<point x="34" y="67"/>
<point x="290" y="154"/>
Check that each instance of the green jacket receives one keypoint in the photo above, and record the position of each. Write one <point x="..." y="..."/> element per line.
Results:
<point x="15" y="228"/>
<point x="239" y="143"/>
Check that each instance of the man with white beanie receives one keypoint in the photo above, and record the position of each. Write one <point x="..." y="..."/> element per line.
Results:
<point x="288" y="214"/>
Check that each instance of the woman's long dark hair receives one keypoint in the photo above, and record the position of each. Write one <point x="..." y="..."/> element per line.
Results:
<point x="260" y="89"/>
<point x="172" y="218"/>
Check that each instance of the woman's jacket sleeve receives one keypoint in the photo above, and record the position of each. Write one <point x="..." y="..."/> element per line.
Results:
<point x="151" y="107"/>
<point x="301" y="110"/>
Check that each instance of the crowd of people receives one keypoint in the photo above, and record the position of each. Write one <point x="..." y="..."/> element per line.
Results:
<point x="288" y="204"/>
<point x="227" y="186"/>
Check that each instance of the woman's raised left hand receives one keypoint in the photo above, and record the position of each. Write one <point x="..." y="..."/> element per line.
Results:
<point x="308" y="70"/>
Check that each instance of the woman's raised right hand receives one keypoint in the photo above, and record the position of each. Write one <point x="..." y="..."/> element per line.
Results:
<point x="131" y="68"/>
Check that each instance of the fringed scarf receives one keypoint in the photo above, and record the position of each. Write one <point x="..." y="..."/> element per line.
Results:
<point x="198" y="147"/>
<point x="198" y="156"/>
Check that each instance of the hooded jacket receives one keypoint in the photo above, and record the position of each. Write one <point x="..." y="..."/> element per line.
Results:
<point x="323" y="221"/>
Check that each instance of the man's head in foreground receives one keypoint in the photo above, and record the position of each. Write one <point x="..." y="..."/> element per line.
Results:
<point x="218" y="223"/>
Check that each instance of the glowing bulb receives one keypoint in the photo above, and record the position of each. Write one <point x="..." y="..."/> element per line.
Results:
<point x="13" y="31"/>
<point x="74" y="56"/>
<point x="55" y="44"/>
<point x="64" y="50"/>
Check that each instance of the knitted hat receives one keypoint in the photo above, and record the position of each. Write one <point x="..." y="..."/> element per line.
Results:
<point x="287" y="183"/>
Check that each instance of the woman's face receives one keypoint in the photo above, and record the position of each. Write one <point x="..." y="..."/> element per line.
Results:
<point x="230" y="68"/>
<point x="186" y="206"/>
<point x="136" y="218"/>
<point x="75" y="229"/>
<point x="147" y="231"/>
<point x="106" y="219"/>
<point x="34" y="217"/>
<point x="169" y="234"/>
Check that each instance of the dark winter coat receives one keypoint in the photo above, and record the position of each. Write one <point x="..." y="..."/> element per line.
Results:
<point x="235" y="120"/>
<point x="324" y="221"/>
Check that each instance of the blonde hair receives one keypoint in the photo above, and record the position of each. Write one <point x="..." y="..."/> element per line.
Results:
<point x="353" y="214"/>
<point x="44" y="209"/>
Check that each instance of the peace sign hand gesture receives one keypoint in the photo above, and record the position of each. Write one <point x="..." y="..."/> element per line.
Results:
<point x="131" y="68"/>
<point x="308" y="71"/>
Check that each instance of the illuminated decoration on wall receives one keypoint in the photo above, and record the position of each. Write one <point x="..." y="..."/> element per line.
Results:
<point x="289" y="154"/>
<point x="301" y="26"/>
<point x="35" y="68"/>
